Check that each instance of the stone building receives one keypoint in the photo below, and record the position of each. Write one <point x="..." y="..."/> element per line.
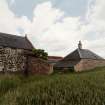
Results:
<point x="16" y="54"/>
<point x="80" y="60"/>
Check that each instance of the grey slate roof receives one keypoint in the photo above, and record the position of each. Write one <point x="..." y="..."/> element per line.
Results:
<point x="87" y="54"/>
<point x="13" y="41"/>
<point x="74" y="57"/>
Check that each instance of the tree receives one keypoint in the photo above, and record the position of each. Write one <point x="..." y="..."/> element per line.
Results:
<point x="40" y="53"/>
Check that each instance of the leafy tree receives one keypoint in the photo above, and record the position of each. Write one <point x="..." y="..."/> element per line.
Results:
<point x="40" y="53"/>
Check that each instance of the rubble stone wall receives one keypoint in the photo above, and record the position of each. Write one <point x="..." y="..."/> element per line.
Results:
<point x="14" y="60"/>
<point x="11" y="59"/>
<point x="87" y="64"/>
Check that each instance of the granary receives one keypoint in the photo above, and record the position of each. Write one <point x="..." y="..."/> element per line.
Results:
<point x="80" y="60"/>
<point x="16" y="55"/>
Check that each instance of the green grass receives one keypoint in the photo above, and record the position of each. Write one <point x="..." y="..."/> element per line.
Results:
<point x="86" y="88"/>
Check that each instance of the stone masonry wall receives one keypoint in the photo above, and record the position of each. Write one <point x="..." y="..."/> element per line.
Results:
<point x="39" y="66"/>
<point x="11" y="59"/>
<point x="87" y="64"/>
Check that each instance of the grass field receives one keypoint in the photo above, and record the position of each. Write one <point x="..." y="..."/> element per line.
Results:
<point x="87" y="88"/>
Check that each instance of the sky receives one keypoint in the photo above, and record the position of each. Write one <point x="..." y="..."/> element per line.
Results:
<point x="56" y="25"/>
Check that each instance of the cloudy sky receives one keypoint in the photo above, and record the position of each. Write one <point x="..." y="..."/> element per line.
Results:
<point x="56" y="25"/>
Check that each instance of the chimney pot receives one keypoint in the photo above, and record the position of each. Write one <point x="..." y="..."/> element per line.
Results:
<point x="80" y="45"/>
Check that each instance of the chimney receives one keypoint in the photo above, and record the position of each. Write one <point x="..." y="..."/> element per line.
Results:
<point x="79" y="45"/>
<point x="25" y="35"/>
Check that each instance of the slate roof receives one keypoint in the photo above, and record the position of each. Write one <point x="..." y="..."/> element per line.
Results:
<point x="13" y="41"/>
<point x="74" y="57"/>
<point x="87" y="54"/>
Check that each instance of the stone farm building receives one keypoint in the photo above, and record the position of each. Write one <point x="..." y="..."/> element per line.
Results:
<point x="80" y="60"/>
<point x="16" y="55"/>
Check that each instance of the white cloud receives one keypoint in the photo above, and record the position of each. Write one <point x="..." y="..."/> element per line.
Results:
<point x="62" y="36"/>
<point x="6" y="17"/>
<point x="44" y="17"/>
<point x="94" y="31"/>
<point x="9" y="23"/>
<point x="55" y="33"/>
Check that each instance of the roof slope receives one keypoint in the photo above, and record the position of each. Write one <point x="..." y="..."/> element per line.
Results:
<point x="74" y="57"/>
<point x="87" y="54"/>
<point x="13" y="41"/>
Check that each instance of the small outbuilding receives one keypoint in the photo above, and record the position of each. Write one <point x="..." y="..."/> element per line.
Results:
<point x="16" y="56"/>
<point x="80" y="60"/>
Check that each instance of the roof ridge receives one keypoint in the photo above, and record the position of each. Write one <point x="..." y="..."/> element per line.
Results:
<point x="96" y="55"/>
<point x="26" y="38"/>
<point x="79" y="53"/>
<point x="70" y="53"/>
<point x="12" y="35"/>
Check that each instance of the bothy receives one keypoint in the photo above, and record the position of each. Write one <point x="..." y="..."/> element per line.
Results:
<point x="80" y="60"/>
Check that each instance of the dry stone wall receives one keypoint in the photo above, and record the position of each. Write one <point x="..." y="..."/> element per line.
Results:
<point x="11" y="60"/>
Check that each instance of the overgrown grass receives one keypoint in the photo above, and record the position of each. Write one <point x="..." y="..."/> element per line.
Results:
<point x="87" y="88"/>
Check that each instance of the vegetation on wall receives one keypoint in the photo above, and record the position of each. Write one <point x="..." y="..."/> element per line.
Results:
<point x="40" y="53"/>
<point x="86" y="88"/>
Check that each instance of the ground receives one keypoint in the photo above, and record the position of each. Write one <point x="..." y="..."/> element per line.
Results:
<point x="86" y="88"/>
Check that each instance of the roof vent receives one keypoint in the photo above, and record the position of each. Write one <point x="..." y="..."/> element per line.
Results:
<point x="80" y="45"/>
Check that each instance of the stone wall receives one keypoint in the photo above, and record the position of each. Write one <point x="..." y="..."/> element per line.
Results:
<point x="39" y="66"/>
<point x="11" y="60"/>
<point x="14" y="60"/>
<point x="87" y="64"/>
